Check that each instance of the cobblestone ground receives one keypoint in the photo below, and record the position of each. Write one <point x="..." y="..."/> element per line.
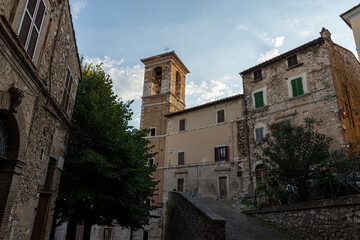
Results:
<point x="238" y="225"/>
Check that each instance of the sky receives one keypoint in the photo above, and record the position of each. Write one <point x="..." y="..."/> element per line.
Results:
<point x="214" y="39"/>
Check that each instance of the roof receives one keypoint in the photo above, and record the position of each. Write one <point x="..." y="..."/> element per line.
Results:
<point x="345" y="18"/>
<point x="284" y="55"/>
<point x="206" y="105"/>
<point x="172" y="53"/>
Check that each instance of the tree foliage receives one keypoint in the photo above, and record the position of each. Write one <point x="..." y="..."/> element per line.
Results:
<point x="106" y="176"/>
<point x="291" y="153"/>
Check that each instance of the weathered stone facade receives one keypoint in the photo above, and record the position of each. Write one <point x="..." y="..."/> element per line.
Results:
<point x="35" y="108"/>
<point x="328" y="73"/>
<point x="336" y="218"/>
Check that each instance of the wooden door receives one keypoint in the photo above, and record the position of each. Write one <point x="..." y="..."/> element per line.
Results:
<point x="40" y="218"/>
<point x="180" y="185"/>
<point x="223" y="187"/>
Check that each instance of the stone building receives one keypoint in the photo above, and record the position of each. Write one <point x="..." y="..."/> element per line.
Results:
<point x="209" y="150"/>
<point x="352" y="19"/>
<point x="319" y="79"/>
<point x="39" y="74"/>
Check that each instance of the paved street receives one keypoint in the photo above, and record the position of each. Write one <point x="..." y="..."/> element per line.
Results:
<point x="238" y="225"/>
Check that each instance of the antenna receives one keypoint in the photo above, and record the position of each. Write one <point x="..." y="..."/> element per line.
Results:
<point x="166" y="49"/>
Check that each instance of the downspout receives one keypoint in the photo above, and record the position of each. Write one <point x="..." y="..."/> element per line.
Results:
<point x="53" y="53"/>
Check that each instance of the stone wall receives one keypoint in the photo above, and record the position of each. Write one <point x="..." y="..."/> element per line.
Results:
<point x="336" y="218"/>
<point x="186" y="219"/>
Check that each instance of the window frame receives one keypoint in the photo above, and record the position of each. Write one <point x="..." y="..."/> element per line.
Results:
<point x="4" y="142"/>
<point x="181" y="161"/>
<point x="263" y="90"/>
<point x="262" y="131"/>
<point x="304" y="85"/>
<point x="290" y="60"/>
<point x="217" y="153"/>
<point x="111" y="232"/>
<point x="149" y="161"/>
<point x="67" y="90"/>
<point x="217" y="115"/>
<point x="182" y="123"/>
<point x="257" y="76"/>
<point x="148" y="235"/>
<point x="260" y="169"/>
<point x="32" y="26"/>
<point x="150" y="133"/>
<point x="183" y="184"/>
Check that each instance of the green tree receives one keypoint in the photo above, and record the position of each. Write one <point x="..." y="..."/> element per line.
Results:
<point x="106" y="177"/>
<point x="292" y="152"/>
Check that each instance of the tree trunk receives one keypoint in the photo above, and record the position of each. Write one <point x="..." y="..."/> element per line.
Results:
<point x="87" y="231"/>
<point x="71" y="228"/>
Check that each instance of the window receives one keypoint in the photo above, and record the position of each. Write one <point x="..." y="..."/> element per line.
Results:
<point x="259" y="132"/>
<point x="259" y="99"/>
<point x="181" y="158"/>
<point x="157" y="77"/>
<point x="152" y="132"/>
<point x="260" y="172"/>
<point x="151" y="162"/>
<point x="178" y="85"/>
<point x="31" y="25"/>
<point x="221" y="154"/>
<point x="180" y="185"/>
<point x="182" y="125"/>
<point x="292" y="61"/>
<point x="257" y="74"/>
<point x="107" y="234"/>
<point x="3" y="140"/>
<point x="146" y="235"/>
<point x="67" y="89"/>
<point x="221" y="116"/>
<point x="148" y="202"/>
<point x="297" y="87"/>
<point x="50" y="174"/>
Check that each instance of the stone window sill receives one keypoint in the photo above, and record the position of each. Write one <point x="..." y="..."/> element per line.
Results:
<point x="295" y="66"/>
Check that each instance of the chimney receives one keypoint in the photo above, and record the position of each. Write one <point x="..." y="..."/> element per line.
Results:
<point x="325" y="34"/>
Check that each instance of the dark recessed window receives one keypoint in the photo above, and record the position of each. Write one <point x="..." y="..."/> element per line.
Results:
<point x="107" y="234"/>
<point x="151" y="162"/>
<point x="182" y="125"/>
<point x="221" y="154"/>
<point x="3" y="140"/>
<point x="181" y="158"/>
<point x="221" y="116"/>
<point x="292" y="61"/>
<point x="152" y="132"/>
<point x="259" y="132"/>
<point x="180" y="185"/>
<point x="258" y="74"/>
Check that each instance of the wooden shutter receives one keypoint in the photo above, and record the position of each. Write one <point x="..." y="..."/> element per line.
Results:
<point x="259" y="99"/>
<point x="217" y="154"/>
<point x="182" y="125"/>
<point x="297" y="87"/>
<point x="221" y="116"/>
<point x="181" y="158"/>
<point x="227" y="153"/>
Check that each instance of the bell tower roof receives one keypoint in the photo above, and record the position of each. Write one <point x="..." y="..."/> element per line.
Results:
<point x="163" y="56"/>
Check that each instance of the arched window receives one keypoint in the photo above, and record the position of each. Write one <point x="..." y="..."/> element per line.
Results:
<point x="260" y="172"/>
<point x="178" y="85"/>
<point x="157" y="77"/>
<point x="3" y="140"/>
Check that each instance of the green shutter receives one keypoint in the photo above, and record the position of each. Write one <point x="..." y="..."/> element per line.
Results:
<point x="259" y="99"/>
<point x="297" y="87"/>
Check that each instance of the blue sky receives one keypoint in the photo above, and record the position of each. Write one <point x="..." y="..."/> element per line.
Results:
<point x="215" y="39"/>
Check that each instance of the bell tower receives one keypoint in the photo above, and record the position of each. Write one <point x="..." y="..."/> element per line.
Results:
<point x="164" y="92"/>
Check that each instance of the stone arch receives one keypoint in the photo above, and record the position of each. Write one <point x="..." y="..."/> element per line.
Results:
<point x="178" y="84"/>
<point x="156" y="79"/>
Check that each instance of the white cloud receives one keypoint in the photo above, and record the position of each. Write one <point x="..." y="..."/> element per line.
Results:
<point x="241" y="27"/>
<point x="127" y="81"/>
<point x="77" y="6"/>
<point x="291" y="21"/>
<point x="268" y="55"/>
<point x="278" y="42"/>
<point x="305" y="33"/>
<point x="209" y="91"/>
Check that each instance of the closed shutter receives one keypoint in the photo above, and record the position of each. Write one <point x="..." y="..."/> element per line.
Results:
<point x="221" y="116"/>
<point x="227" y="153"/>
<point x="182" y="125"/>
<point x="217" y="155"/>
<point x="297" y="87"/>
<point x="181" y="158"/>
<point x="259" y="99"/>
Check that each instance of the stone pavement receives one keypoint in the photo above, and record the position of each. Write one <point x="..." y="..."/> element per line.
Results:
<point x="238" y="225"/>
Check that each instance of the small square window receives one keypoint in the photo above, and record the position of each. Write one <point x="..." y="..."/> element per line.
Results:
<point x="221" y="154"/>
<point x="259" y="132"/>
<point x="292" y="61"/>
<point x="152" y="132"/>
<point x="221" y="116"/>
<point x="258" y="74"/>
<point x="297" y="87"/>
<point x="259" y="99"/>
<point x="181" y="158"/>
<point x="182" y="125"/>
